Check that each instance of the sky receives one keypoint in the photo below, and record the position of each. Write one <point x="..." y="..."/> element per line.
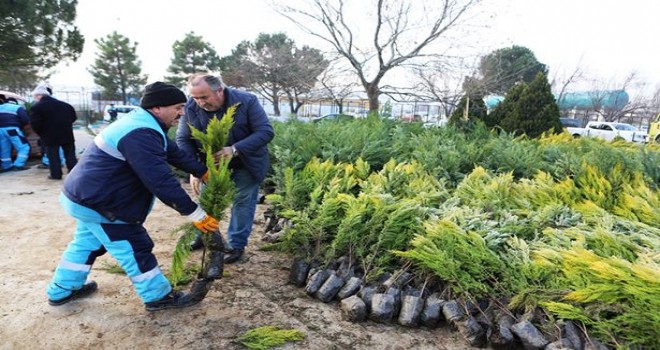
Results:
<point x="607" y="39"/>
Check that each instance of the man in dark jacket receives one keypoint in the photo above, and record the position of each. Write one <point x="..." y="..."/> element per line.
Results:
<point x="247" y="146"/>
<point x="53" y="120"/>
<point x="112" y="190"/>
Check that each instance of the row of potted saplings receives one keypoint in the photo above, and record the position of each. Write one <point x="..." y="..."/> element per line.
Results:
<point x="393" y="299"/>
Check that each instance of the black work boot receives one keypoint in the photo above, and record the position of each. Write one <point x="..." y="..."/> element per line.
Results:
<point x="87" y="289"/>
<point x="215" y="267"/>
<point x="197" y="243"/>
<point x="173" y="300"/>
<point x="234" y="256"/>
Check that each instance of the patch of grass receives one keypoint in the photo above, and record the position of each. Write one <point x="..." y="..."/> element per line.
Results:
<point x="267" y="337"/>
<point x="113" y="268"/>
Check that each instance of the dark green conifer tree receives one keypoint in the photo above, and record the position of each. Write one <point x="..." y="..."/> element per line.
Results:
<point x="477" y="111"/>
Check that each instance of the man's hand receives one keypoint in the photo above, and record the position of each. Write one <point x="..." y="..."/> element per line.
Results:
<point x="225" y="152"/>
<point x="207" y="225"/>
<point x="203" y="221"/>
<point x="195" y="183"/>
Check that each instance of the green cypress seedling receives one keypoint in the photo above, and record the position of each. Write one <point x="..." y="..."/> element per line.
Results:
<point x="219" y="190"/>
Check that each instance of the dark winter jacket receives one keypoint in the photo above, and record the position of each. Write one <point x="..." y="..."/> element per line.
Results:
<point x="13" y="115"/>
<point x="250" y="134"/>
<point x="128" y="163"/>
<point x="53" y="120"/>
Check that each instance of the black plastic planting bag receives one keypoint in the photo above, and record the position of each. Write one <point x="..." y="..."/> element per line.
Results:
<point x="411" y="309"/>
<point x="350" y="288"/>
<point x="330" y="288"/>
<point x="396" y="293"/>
<point x="473" y="333"/>
<point x="366" y="294"/>
<point x="353" y="309"/>
<point x="432" y="313"/>
<point x="345" y="270"/>
<point x="200" y="288"/>
<point x="501" y="337"/>
<point x="452" y="311"/>
<point x="298" y="273"/>
<point x="398" y="280"/>
<point x="572" y="333"/>
<point x="382" y="308"/>
<point x="316" y="281"/>
<point x="529" y="335"/>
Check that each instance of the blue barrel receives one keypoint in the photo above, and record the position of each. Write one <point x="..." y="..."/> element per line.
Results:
<point x="492" y="101"/>
<point x="613" y="99"/>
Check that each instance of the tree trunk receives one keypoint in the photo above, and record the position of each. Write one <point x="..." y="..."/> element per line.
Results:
<point x="340" y="105"/>
<point x="372" y="94"/>
<point x="276" y="105"/>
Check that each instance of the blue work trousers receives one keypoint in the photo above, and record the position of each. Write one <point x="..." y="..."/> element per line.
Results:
<point x="12" y="136"/>
<point x="129" y="244"/>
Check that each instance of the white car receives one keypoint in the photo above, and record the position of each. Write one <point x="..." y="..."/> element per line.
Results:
<point x="114" y="112"/>
<point x="610" y="130"/>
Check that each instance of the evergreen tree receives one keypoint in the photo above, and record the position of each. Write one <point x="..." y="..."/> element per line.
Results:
<point x="476" y="111"/>
<point x="271" y="66"/>
<point x="36" y="35"/>
<point x="117" y="69"/>
<point x="504" y="68"/>
<point x="191" y="55"/>
<point x="530" y="109"/>
<point x="507" y="107"/>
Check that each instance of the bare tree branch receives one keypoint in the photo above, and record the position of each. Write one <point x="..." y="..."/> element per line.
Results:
<point x="402" y="30"/>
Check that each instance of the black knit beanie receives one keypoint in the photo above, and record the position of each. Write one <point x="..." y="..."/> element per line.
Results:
<point x="161" y="94"/>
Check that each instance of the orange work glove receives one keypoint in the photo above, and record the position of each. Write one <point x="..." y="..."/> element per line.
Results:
<point x="205" y="177"/>
<point x="207" y="225"/>
<point x="203" y="221"/>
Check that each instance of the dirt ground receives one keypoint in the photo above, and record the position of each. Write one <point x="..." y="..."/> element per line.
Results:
<point x="34" y="230"/>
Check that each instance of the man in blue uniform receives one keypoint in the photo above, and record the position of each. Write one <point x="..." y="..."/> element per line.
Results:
<point x="247" y="148"/>
<point x="110" y="193"/>
<point x="12" y="119"/>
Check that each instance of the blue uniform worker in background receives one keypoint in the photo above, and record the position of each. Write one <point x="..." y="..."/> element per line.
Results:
<point x="247" y="148"/>
<point x="12" y="120"/>
<point x="45" y="163"/>
<point x="111" y="191"/>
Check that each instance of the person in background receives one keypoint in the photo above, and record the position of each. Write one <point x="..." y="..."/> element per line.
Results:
<point x="247" y="148"/>
<point x="113" y="114"/>
<point x="112" y="190"/>
<point x="45" y="164"/>
<point x="13" y="118"/>
<point x="53" y="120"/>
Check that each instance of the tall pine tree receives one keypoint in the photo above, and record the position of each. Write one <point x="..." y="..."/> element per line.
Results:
<point x="191" y="55"/>
<point x="36" y="35"/>
<point x="117" y="69"/>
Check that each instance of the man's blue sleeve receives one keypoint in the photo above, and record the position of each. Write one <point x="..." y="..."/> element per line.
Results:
<point x="261" y="129"/>
<point x="184" y="161"/>
<point x="144" y="151"/>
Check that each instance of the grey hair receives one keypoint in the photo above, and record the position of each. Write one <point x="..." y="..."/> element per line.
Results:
<point x="214" y="81"/>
